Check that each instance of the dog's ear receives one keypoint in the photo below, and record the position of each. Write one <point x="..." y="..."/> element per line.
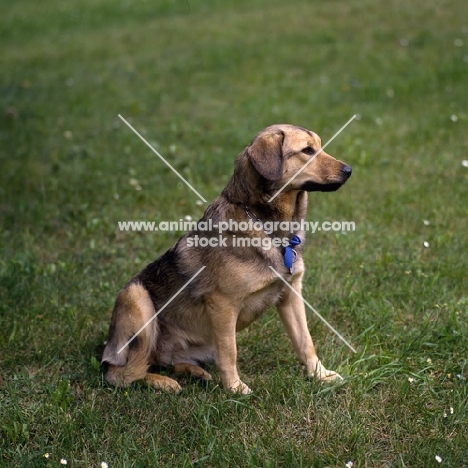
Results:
<point x="266" y="154"/>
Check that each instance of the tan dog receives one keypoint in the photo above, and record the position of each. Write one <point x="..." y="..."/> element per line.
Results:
<point x="237" y="284"/>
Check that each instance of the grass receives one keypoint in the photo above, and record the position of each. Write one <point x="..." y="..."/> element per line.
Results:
<point x="199" y="80"/>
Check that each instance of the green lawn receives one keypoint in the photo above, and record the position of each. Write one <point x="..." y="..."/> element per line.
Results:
<point x="199" y="80"/>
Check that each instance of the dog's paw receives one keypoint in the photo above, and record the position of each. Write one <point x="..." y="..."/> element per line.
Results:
<point x="192" y="369"/>
<point x="163" y="383"/>
<point x="173" y="387"/>
<point x="325" y="375"/>
<point x="240" y="387"/>
<point x="203" y="375"/>
<point x="330" y="376"/>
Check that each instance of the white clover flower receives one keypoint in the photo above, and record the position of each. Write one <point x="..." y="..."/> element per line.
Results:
<point x="465" y="163"/>
<point x="47" y="455"/>
<point x="104" y="465"/>
<point x="134" y="183"/>
<point x="426" y="222"/>
<point x="410" y="379"/>
<point x="451" y="410"/>
<point x="438" y="459"/>
<point x="350" y="464"/>
<point x="426" y="244"/>
<point x="63" y="461"/>
<point x="188" y="218"/>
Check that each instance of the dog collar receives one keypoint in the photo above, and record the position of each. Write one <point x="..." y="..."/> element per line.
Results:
<point x="289" y="254"/>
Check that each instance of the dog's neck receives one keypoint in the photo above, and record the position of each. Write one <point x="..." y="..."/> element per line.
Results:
<point x="247" y="188"/>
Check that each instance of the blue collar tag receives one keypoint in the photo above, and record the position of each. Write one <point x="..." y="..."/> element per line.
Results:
<point x="289" y="253"/>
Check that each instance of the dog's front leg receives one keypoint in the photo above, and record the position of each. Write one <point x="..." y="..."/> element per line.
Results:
<point x="292" y="313"/>
<point x="223" y="319"/>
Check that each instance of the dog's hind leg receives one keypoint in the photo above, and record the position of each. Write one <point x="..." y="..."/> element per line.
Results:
<point x="186" y="360"/>
<point x="192" y="369"/>
<point x="127" y="360"/>
<point x="162" y="382"/>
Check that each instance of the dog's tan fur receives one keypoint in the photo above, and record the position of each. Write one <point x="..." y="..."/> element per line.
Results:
<point x="237" y="285"/>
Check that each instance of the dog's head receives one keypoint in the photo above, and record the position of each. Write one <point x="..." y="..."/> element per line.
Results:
<point x="281" y="152"/>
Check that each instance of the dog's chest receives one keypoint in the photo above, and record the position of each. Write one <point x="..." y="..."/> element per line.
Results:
<point x="255" y="304"/>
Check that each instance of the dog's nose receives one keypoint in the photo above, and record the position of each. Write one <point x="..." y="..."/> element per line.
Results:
<point x="346" y="171"/>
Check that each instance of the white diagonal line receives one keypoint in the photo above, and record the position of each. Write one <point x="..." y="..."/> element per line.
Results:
<point x="311" y="308"/>
<point x="161" y="309"/>
<point x="157" y="153"/>
<point x="312" y="158"/>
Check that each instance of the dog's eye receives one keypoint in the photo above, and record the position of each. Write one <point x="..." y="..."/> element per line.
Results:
<point x="309" y="150"/>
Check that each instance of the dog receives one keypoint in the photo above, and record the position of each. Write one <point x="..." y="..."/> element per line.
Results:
<point x="174" y="313"/>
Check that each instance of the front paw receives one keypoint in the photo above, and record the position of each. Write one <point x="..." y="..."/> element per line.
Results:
<point x="325" y="375"/>
<point x="330" y="376"/>
<point x="240" y="387"/>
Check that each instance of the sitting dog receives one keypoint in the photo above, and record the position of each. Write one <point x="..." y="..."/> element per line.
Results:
<point x="177" y="313"/>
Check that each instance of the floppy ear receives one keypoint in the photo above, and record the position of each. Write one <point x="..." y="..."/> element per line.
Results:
<point x="266" y="154"/>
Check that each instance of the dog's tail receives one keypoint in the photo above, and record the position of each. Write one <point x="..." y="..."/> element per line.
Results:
<point x="129" y="360"/>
